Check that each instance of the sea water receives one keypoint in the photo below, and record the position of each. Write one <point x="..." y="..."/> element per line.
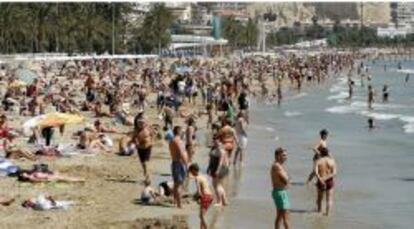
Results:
<point x="375" y="181"/>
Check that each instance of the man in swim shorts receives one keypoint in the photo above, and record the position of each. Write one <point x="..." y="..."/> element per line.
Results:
<point x="179" y="163"/>
<point x="143" y="140"/>
<point x="325" y="171"/>
<point x="280" y="181"/>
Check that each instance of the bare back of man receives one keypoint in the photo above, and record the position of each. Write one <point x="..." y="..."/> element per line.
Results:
<point x="325" y="170"/>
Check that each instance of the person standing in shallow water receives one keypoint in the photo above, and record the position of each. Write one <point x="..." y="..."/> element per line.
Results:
<point x="280" y="181"/>
<point x="321" y="144"/>
<point x="325" y="171"/>
<point x="385" y="94"/>
<point x="370" y="97"/>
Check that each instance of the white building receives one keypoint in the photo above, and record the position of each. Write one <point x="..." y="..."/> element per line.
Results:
<point x="402" y="13"/>
<point x="392" y="31"/>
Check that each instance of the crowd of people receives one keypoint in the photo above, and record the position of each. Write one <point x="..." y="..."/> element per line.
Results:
<point x="145" y="101"/>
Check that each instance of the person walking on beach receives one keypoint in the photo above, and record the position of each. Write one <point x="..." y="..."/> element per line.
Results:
<point x="190" y="137"/>
<point x="143" y="140"/>
<point x="218" y="169"/>
<point x="241" y="132"/>
<point x="325" y="171"/>
<point x="280" y="181"/>
<point x="179" y="163"/>
<point x="227" y="137"/>
<point x="203" y="191"/>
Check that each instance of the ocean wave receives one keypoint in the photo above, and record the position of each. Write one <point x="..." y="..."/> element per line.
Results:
<point x="340" y="96"/>
<point x="359" y="107"/>
<point x="347" y="109"/>
<point x="380" y="116"/>
<point x="338" y="88"/>
<point x="409" y="126"/>
<point x="292" y="113"/>
<point x="406" y="70"/>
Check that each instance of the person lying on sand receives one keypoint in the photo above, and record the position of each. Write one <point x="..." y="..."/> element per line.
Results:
<point x="41" y="173"/>
<point x="46" y="203"/>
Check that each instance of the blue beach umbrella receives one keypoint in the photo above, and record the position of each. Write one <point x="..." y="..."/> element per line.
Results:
<point x="183" y="70"/>
<point x="26" y="75"/>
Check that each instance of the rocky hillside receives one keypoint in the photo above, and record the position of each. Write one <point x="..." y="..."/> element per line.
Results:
<point x="288" y="13"/>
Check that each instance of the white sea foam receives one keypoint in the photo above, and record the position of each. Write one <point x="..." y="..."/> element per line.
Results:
<point x="292" y="113"/>
<point x="380" y="116"/>
<point x="346" y="109"/>
<point x="338" y="88"/>
<point x="342" y="95"/>
<point x="409" y="126"/>
<point x="359" y="107"/>
<point x="406" y="70"/>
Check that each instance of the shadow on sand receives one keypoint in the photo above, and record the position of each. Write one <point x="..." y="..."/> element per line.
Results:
<point x="121" y="180"/>
<point x="303" y="211"/>
<point x="154" y="204"/>
<point x="297" y="183"/>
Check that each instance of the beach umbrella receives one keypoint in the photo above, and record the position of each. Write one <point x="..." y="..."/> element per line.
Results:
<point x="182" y="70"/>
<point x="26" y="75"/>
<point x="52" y="120"/>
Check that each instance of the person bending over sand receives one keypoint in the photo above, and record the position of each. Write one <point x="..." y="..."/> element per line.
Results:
<point x="42" y="176"/>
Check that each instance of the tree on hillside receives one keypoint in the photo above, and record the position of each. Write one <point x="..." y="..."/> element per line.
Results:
<point x="154" y="33"/>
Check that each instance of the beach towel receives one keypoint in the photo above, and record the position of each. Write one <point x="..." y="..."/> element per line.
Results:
<point x="41" y="203"/>
<point x="7" y="168"/>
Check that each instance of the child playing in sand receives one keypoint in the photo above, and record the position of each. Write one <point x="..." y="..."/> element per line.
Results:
<point x="203" y="190"/>
<point x="148" y="195"/>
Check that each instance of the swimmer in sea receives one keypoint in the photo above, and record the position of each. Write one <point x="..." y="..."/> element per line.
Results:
<point x="371" y="125"/>
<point x="385" y="93"/>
